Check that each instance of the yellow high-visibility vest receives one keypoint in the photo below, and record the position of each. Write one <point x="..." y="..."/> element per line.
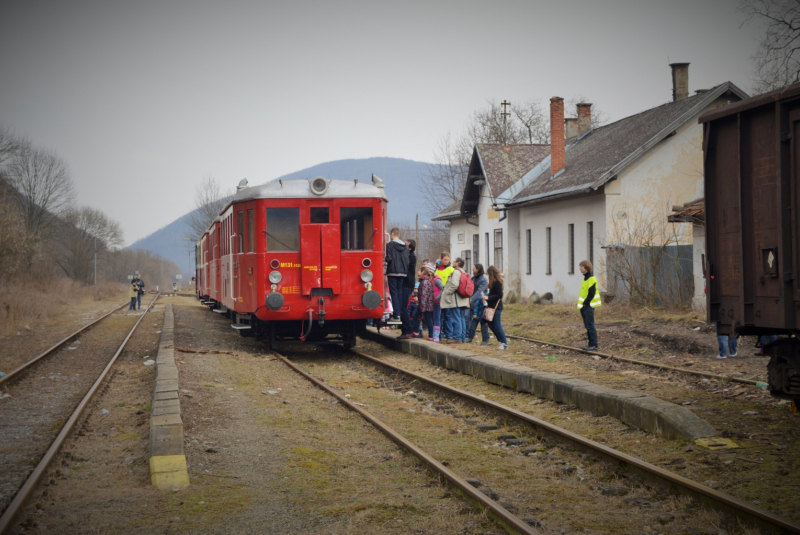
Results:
<point x="585" y="285"/>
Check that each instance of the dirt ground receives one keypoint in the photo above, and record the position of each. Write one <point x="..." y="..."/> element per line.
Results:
<point x="259" y="462"/>
<point x="268" y="453"/>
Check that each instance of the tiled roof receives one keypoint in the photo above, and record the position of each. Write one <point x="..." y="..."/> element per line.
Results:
<point x="691" y="212"/>
<point x="605" y="151"/>
<point x="504" y="165"/>
<point x="451" y="212"/>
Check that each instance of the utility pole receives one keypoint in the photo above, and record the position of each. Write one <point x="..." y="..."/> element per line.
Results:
<point x="95" y="265"/>
<point x="505" y="115"/>
<point x="416" y="234"/>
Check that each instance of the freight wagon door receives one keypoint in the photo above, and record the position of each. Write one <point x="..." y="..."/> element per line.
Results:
<point x="310" y="257"/>
<point x="794" y="240"/>
<point x="331" y="256"/>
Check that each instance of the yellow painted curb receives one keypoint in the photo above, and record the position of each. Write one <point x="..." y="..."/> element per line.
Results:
<point x="716" y="443"/>
<point x="168" y="472"/>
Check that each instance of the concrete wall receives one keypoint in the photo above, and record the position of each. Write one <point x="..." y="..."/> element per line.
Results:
<point x="698" y="253"/>
<point x="564" y="286"/>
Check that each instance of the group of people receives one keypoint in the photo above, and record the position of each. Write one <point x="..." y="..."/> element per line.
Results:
<point x="448" y="301"/>
<point x="452" y="303"/>
<point x="135" y="292"/>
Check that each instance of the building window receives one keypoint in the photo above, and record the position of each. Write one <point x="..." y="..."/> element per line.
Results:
<point x="466" y="256"/>
<point x="476" y="247"/>
<point x="549" y="250"/>
<point x="528" y="251"/>
<point x="498" y="249"/>
<point x="571" y="233"/>
<point x="488" y="263"/>
<point x="590" y="241"/>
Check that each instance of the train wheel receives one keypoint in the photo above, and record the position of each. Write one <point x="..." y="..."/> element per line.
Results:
<point x="349" y="342"/>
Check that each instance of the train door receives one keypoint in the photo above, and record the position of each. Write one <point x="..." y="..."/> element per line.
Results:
<point x="320" y="254"/>
<point x="244" y="265"/>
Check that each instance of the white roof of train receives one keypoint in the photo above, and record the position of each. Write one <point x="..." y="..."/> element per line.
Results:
<point x="302" y="189"/>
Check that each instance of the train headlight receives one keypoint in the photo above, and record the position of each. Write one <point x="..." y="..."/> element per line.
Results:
<point x="275" y="277"/>
<point x="366" y="275"/>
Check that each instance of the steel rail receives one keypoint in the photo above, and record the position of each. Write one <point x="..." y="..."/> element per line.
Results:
<point x="718" y="500"/>
<point x="56" y="346"/>
<point x="16" y="505"/>
<point x="640" y="362"/>
<point x="499" y="514"/>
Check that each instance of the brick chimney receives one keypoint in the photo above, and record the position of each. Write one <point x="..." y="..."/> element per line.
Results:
<point x="571" y="124"/>
<point x="557" y="141"/>
<point x="584" y="117"/>
<point x="680" y="80"/>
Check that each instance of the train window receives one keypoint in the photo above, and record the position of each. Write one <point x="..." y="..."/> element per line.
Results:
<point x="320" y="215"/>
<point x="283" y="229"/>
<point x="356" y="227"/>
<point x="251" y="231"/>
<point x="240" y="232"/>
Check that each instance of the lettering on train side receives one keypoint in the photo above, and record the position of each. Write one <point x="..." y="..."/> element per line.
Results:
<point x="329" y="268"/>
<point x="290" y="290"/>
<point x="289" y="265"/>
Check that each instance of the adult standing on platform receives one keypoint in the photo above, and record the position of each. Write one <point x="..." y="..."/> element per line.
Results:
<point x="408" y="288"/>
<point x="452" y="302"/>
<point x="396" y="271"/>
<point x="588" y="300"/>
<point x="140" y="285"/>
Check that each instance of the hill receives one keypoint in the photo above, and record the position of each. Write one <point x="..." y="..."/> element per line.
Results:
<point x="402" y="179"/>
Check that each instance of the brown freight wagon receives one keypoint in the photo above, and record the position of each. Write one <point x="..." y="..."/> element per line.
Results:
<point x="752" y="192"/>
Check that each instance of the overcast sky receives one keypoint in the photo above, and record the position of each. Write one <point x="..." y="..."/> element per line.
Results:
<point x="144" y="98"/>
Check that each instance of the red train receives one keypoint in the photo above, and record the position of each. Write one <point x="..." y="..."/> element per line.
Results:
<point x="299" y="259"/>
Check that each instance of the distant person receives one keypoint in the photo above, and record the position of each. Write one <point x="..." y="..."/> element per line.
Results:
<point x="480" y="283"/>
<point x="396" y="270"/>
<point x="727" y="344"/>
<point x="452" y="303"/>
<point x="425" y="295"/>
<point x="588" y="300"/>
<point x="408" y="288"/>
<point x="762" y="341"/>
<point x="494" y="301"/>
<point x="443" y="270"/>
<point x="133" y="292"/>
<point x="140" y="293"/>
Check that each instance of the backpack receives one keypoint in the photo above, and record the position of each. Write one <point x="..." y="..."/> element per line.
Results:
<point x="465" y="285"/>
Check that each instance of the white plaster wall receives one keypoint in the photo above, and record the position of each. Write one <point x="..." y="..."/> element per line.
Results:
<point x="698" y="252"/>
<point x="642" y="196"/>
<point x="460" y="226"/>
<point x="564" y="286"/>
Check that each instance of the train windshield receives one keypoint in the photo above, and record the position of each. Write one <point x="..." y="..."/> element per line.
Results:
<point x="356" y="227"/>
<point x="283" y="229"/>
<point x="320" y="215"/>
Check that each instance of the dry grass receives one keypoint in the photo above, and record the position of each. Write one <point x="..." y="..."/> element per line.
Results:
<point x="35" y="301"/>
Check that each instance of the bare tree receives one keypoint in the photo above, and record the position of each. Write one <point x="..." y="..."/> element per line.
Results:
<point x="84" y="232"/>
<point x="9" y="145"/>
<point x="777" y="60"/>
<point x="15" y="244"/>
<point x="42" y="186"/>
<point x="532" y="117"/>
<point x="209" y="200"/>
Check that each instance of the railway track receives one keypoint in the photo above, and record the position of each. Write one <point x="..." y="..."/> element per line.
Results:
<point x="620" y="461"/>
<point x="32" y="403"/>
<point x="663" y="367"/>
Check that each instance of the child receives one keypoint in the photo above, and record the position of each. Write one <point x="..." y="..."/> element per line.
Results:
<point x="438" y="286"/>
<point x="387" y="311"/>
<point x="414" y="313"/>
<point x="425" y="294"/>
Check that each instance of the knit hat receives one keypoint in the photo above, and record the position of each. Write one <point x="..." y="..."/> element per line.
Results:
<point x="430" y="266"/>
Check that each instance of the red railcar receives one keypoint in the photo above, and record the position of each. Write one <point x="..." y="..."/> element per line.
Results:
<point x="752" y="192"/>
<point x="298" y="259"/>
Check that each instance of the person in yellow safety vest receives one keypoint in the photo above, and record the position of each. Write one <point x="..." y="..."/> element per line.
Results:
<point x="588" y="300"/>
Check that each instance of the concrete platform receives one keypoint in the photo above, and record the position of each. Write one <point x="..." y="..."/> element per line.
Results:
<point x="633" y="408"/>
<point x="167" y="459"/>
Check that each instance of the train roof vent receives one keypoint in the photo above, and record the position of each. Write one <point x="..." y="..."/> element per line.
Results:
<point x="319" y="185"/>
<point x="377" y="182"/>
<point x="242" y="184"/>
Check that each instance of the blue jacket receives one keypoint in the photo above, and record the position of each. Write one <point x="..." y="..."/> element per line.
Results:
<point x="481" y="284"/>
